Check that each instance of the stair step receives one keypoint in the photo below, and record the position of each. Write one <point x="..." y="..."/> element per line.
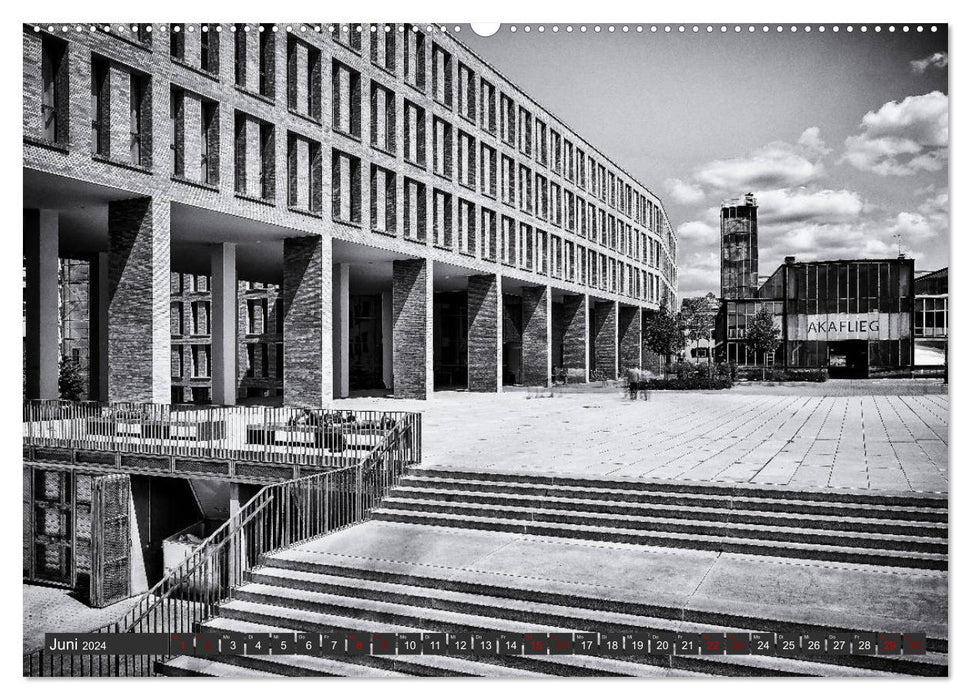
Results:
<point x="582" y="596"/>
<point x="792" y="502"/>
<point x="538" y="512"/>
<point x="738" y="545"/>
<point x="308" y="588"/>
<point x="720" y="513"/>
<point x="372" y="665"/>
<point x="197" y="666"/>
<point x="295" y="618"/>
<point x="297" y="601"/>
<point x="682" y="486"/>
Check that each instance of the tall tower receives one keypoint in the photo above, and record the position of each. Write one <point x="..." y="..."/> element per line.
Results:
<point x="740" y="247"/>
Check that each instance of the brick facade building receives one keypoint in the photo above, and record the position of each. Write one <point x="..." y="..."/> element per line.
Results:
<point x="425" y="222"/>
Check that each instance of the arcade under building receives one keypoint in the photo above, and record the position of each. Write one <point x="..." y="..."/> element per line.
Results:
<point x="854" y="318"/>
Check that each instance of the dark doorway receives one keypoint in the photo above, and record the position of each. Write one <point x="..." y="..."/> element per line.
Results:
<point x="366" y="357"/>
<point x="163" y="506"/>
<point x="451" y="328"/>
<point x="512" y="339"/>
<point x="848" y="359"/>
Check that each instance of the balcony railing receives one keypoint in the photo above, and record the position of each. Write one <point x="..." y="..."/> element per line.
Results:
<point x="312" y="438"/>
<point x="279" y="516"/>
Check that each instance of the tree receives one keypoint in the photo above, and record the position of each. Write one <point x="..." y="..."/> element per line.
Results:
<point x="761" y="335"/>
<point x="663" y="333"/>
<point x="697" y="317"/>
<point x="70" y="380"/>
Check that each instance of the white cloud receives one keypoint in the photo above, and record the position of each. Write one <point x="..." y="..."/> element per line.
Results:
<point x="799" y="215"/>
<point x="804" y="206"/>
<point x="700" y="232"/>
<point x="776" y="165"/>
<point x="935" y="60"/>
<point x="902" y="138"/>
<point x="699" y="273"/>
<point x="684" y="192"/>
<point x="811" y="141"/>
<point x="813" y="241"/>
<point x="930" y="221"/>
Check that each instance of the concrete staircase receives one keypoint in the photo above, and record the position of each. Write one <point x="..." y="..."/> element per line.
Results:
<point x="311" y="590"/>
<point x="850" y="526"/>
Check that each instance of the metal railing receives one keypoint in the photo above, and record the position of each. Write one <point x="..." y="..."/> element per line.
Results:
<point x="278" y="516"/>
<point x="317" y="438"/>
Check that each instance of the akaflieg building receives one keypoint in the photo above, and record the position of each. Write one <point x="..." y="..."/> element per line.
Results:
<point x="369" y="174"/>
<point x="852" y="317"/>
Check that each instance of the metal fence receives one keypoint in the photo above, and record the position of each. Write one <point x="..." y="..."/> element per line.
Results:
<point x="269" y="435"/>
<point x="279" y="516"/>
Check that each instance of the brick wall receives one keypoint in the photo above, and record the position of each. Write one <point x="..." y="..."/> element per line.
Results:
<point x="536" y="336"/>
<point x="629" y="332"/>
<point x="575" y="335"/>
<point x="412" y="345"/>
<point x="129" y="55"/>
<point x="307" y="309"/>
<point x="484" y="331"/>
<point x="138" y="313"/>
<point x="74" y="159"/>
<point x="605" y="337"/>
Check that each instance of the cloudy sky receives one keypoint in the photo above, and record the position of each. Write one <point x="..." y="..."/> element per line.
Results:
<point x="842" y="136"/>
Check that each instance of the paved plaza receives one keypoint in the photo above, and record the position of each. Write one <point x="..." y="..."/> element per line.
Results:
<point x="881" y="435"/>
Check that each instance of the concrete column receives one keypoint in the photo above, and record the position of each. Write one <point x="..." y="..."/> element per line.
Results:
<point x="629" y="334"/>
<point x="605" y="337"/>
<point x="98" y="327"/>
<point x="576" y="322"/>
<point x="139" y="335"/>
<point x="412" y="332"/>
<point x="387" y="345"/>
<point x="485" y="333"/>
<point x="239" y="543"/>
<point x="224" y="325"/>
<point x="537" y="335"/>
<point x="42" y="350"/>
<point x="342" y="330"/>
<point x="308" y="340"/>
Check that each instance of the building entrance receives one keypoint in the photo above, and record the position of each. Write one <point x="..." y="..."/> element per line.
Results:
<point x="451" y="332"/>
<point x="366" y="357"/>
<point x="848" y="359"/>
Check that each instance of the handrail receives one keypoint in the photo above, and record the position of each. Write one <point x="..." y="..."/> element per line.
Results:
<point x="318" y="438"/>
<point x="280" y="515"/>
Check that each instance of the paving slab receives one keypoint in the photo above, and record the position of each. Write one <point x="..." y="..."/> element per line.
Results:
<point x="878" y="434"/>
<point x="857" y="597"/>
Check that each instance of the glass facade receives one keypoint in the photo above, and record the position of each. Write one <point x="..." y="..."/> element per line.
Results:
<point x="854" y="317"/>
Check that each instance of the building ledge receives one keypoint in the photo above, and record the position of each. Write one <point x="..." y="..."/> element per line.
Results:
<point x="305" y="117"/>
<point x="258" y="200"/>
<point x="195" y="183"/>
<point x="122" y="164"/>
<point x="257" y="96"/>
<point x="306" y="212"/>
<point x="59" y="146"/>
<point x="195" y="69"/>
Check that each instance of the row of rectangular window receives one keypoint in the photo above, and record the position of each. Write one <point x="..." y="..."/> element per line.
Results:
<point x="303" y="61"/>
<point x="255" y="167"/>
<point x="199" y="357"/>
<point x="346" y="119"/>
<point x="256" y="359"/>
